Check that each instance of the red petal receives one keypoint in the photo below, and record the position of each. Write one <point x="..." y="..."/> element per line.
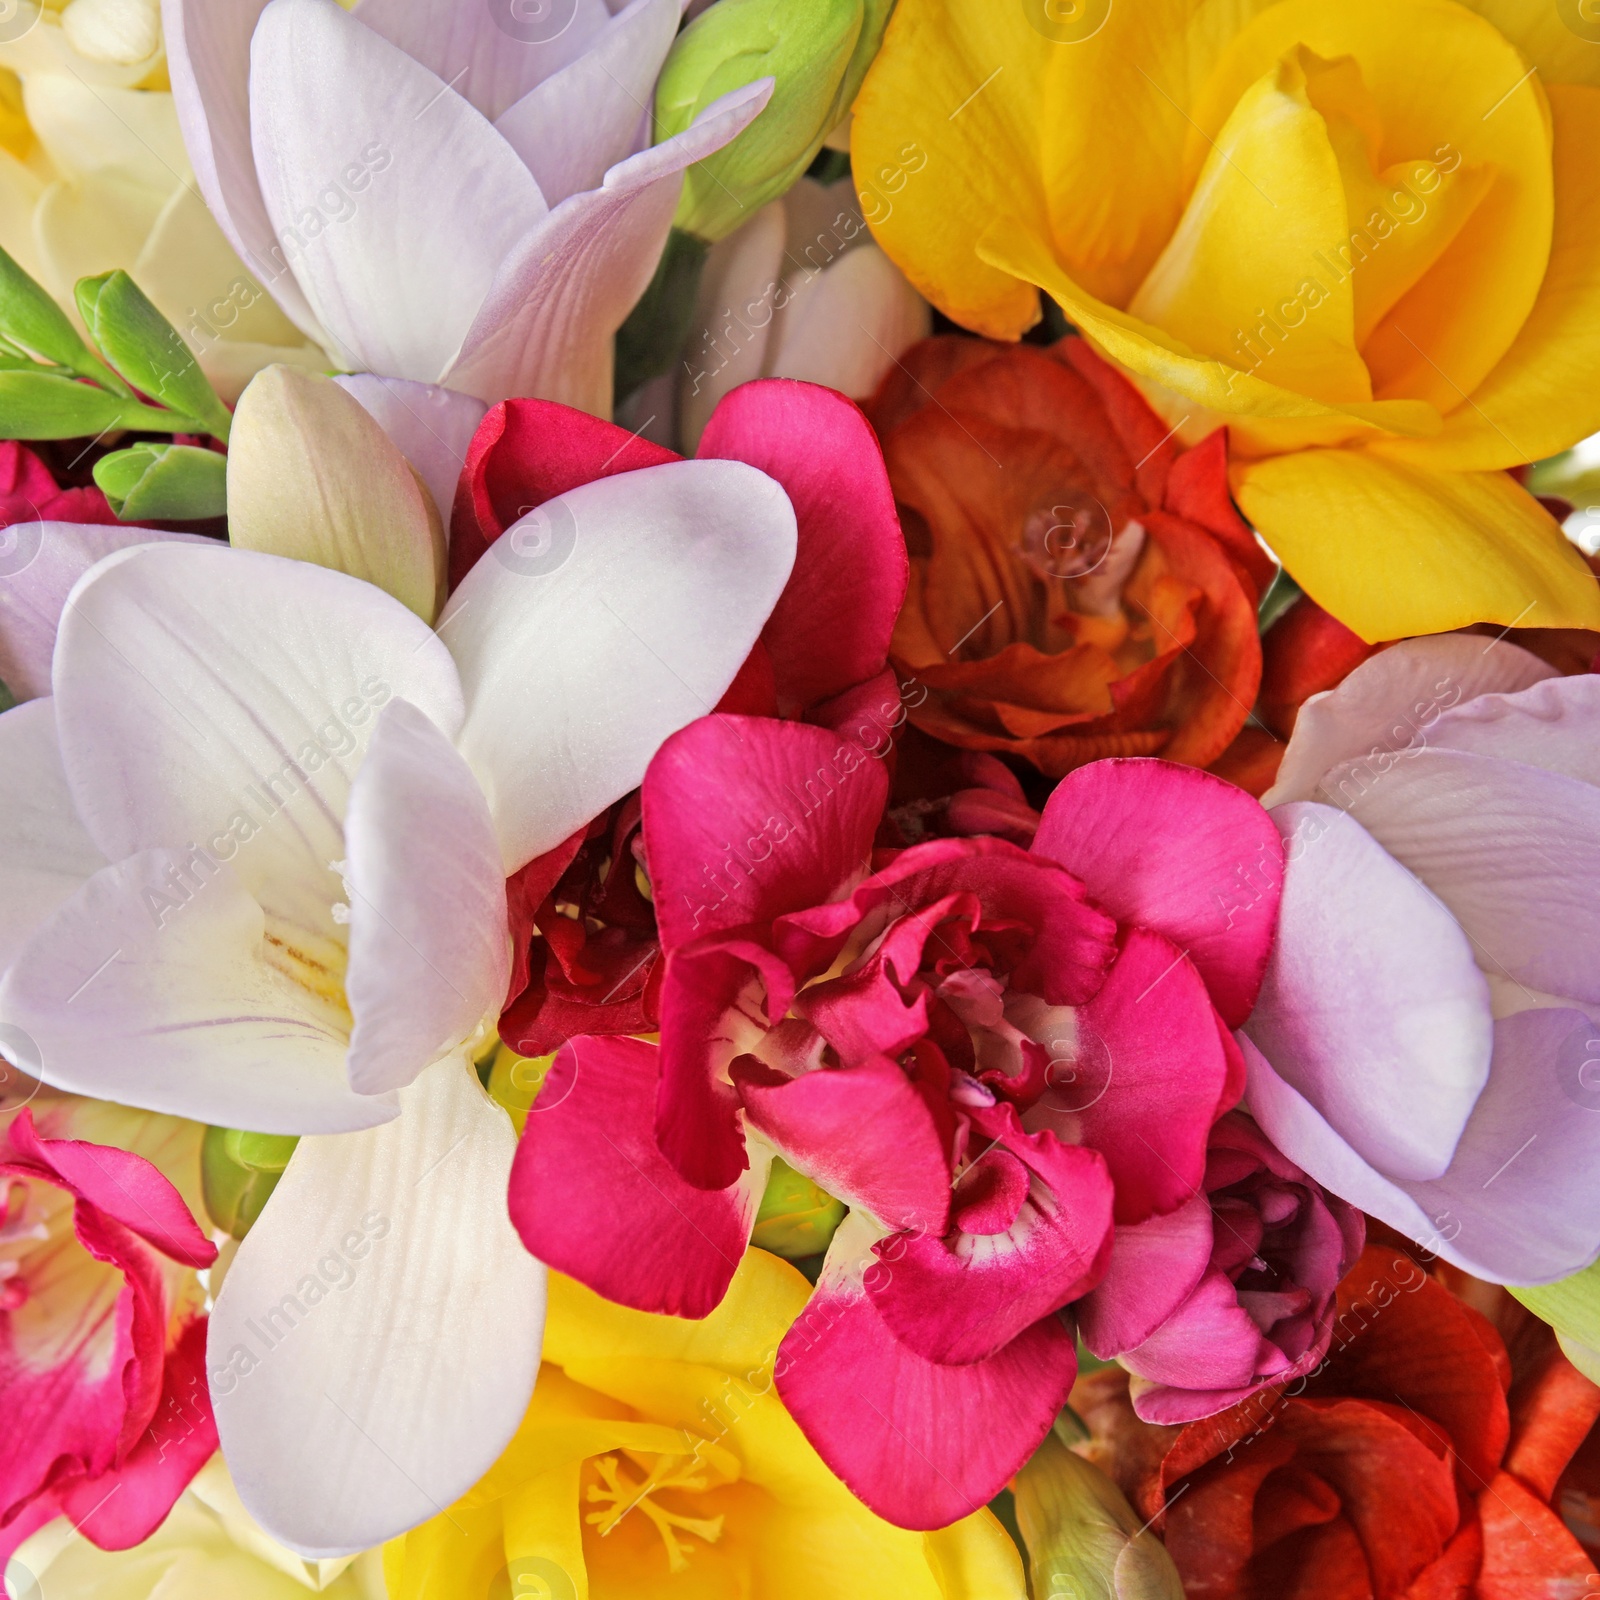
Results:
<point x="1528" y="1554"/>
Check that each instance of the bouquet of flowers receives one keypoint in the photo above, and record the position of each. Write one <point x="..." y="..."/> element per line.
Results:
<point x="800" y="797"/>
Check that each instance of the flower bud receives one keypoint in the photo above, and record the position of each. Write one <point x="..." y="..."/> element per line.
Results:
<point x="815" y="51"/>
<point x="238" y="1172"/>
<point x="119" y="33"/>
<point x="1085" y="1542"/>
<point x="166" y="482"/>
<point x="796" y="1218"/>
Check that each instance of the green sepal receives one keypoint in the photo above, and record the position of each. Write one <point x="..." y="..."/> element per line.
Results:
<point x="1282" y="593"/>
<point x="796" y="1218"/>
<point x="650" y="341"/>
<point x="47" y="405"/>
<point x="238" y="1172"/>
<point x="7" y="699"/>
<point x="31" y="321"/>
<point x="165" y="482"/>
<point x="148" y="351"/>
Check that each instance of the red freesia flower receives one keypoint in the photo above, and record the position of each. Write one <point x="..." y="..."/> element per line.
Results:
<point x="992" y="1054"/>
<point x="102" y="1339"/>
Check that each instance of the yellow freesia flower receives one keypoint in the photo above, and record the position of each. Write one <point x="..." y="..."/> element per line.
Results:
<point x="656" y="1459"/>
<point x="1365" y="234"/>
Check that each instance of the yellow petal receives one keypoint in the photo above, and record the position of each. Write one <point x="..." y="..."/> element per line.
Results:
<point x="976" y="1558"/>
<point x="312" y="476"/>
<point x="1393" y="549"/>
<point x="1451" y="90"/>
<point x="86" y="128"/>
<point x="1543" y="396"/>
<point x="20" y="191"/>
<point x="1266" y="215"/>
<point x="946" y="133"/>
<point x="91" y="226"/>
<point x="1560" y="37"/>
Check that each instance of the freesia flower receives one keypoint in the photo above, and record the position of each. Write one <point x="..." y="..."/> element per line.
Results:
<point x="986" y="1066"/>
<point x="800" y="291"/>
<point x="102" y="1326"/>
<point x="1080" y="586"/>
<point x="93" y="176"/>
<point x="656" y="1459"/>
<point x="208" y="1546"/>
<point x="822" y="654"/>
<point x="261" y="830"/>
<point x="29" y="494"/>
<point x="1232" y="1292"/>
<point x="1397" y="1470"/>
<point x="1422" y="1038"/>
<point x="1362" y="234"/>
<point x="451" y="193"/>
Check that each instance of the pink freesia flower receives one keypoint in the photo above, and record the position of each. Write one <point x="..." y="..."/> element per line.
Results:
<point x="992" y="1054"/>
<point x="102" y="1336"/>
<point x="823" y="656"/>
<point x="1425" y="1041"/>
<point x="447" y="193"/>
<point x="1232" y="1291"/>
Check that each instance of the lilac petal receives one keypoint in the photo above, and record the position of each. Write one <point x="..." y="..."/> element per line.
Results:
<point x="1554" y="725"/>
<point x="431" y="427"/>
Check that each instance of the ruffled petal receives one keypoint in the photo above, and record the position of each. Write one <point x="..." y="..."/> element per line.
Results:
<point x="1154" y="1266"/>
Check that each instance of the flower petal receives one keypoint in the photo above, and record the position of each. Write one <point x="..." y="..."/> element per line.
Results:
<point x="1155" y="1265"/>
<point x="602" y="623"/>
<point x="1555" y="726"/>
<point x="375" y="1342"/>
<point x="546" y="324"/>
<point x="48" y="856"/>
<point x="150" y="986"/>
<point x="921" y="1443"/>
<point x="831" y="629"/>
<point x="219" y="701"/>
<point x="429" y="958"/>
<point x="1393" y="702"/>
<point x="747" y="818"/>
<point x="1180" y="852"/>
<point x="432" y="426"/>
<point x="592" y="1195"/>
<point x="32" y="595"/>
<point x="586" y="117"/>
<point x="1373" y="1007"/>
<point x="397" y="273"/>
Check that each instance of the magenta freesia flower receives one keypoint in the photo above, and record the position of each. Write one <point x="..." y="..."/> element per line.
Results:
<point x="1232" y="1291"/>
<point x="102" y="1336"/>
<point x="1425" y="1042"/>
<point x="993" y="1055"/>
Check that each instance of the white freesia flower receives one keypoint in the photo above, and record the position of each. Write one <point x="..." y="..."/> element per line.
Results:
<point x="259" y="836"/>
<point x="451" y="191"/>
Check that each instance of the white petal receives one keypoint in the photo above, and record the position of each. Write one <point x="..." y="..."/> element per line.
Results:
<point x="395" y="202"/>
<point x="546" y="325"/>
<point x="429" y="956"/>
<point x="152" y="987"/>
<point x="88" y="128"/>
<point x="589" y="116"/>
<point x="374" y="1346"/>
<point x="1512" y="850"/>
<point x="1391" y="702"/>
<point x="208" y="59"/>
<point x="1372" y="1007"/>
<point x="602" y="623"/>
<point x="491" y="51"/>
<point x="433" y="427"/>
<point x="39" y="563"/>
<point x="47" y="857"/>
<point x="204" y="692"/>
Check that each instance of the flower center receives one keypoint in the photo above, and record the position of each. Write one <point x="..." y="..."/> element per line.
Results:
<point x="619" y="1492"/>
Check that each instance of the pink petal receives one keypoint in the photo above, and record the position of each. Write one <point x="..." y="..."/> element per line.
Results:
<point x="1373" y="1007"/>
<point x="1179" y="851"/>
<point x="592" y="1196"/>
<point x="831" y="628"/>
<point x="1155" y="1265"/>
<point x="967" y="1296"/>
<point x="863" y="1133"/>
<point x="746" y="818"/>
<point x="921" y="1443"/>
<point x="1209" y="1343"/>
<point x="1394" y="700"/>
<point x="1554" y="725"/>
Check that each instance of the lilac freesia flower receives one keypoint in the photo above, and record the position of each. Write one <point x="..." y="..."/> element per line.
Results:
<point x="452" y="191"/>
<point x="1426" y="1042"/>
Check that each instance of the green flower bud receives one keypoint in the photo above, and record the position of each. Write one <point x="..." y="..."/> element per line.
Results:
<point x="148" y="351"/>
<point x="32" y="323"/>
<point x="238" y="1172"/>
<point x="172" y="482"/>
<point x="796" y="1218"/>
<point x="1085" y="1542"/>
<point x="815" y="51"/>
